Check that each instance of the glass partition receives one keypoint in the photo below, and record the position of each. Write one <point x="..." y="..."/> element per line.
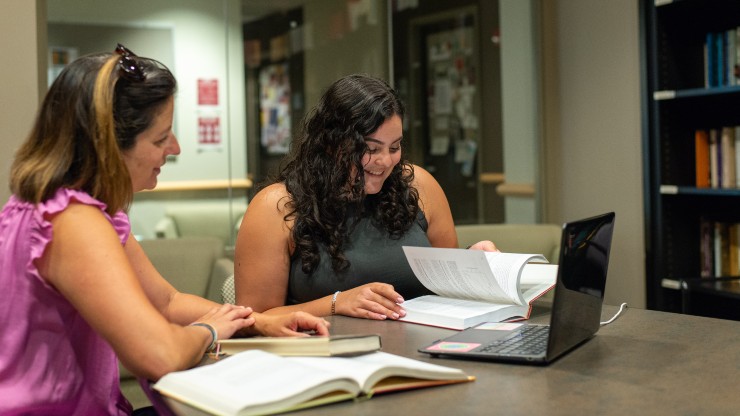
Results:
<point x="248" y="71"/>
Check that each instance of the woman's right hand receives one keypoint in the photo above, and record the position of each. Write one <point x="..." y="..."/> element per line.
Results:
<point x="228" y="319"/>
<point x="371" y="301"/>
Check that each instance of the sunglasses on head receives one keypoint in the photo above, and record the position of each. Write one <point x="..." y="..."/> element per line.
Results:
<point x="128" y="64"/>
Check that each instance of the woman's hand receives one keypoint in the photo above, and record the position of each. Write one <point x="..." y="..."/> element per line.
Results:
<point x="372" y="301"/>
<point x="294" y="324"/>
<point x="484" y="246"/>
<point x="228" y="319"/>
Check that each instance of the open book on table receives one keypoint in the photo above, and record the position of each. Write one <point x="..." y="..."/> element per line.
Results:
<point x="258" y="382"/>
<point x="474" y="286"/>
<point x="318" y="346"/>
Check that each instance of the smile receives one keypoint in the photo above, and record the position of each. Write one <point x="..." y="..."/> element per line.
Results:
<point x="374" y="173"/>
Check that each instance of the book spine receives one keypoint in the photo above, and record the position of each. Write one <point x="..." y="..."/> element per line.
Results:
<point x="710" y="60"/>
<point x="713" y="158"/>
<point x="737" y="155"/>
<point x="731" y="58"/>
<point x="706" y="249"/>
<point x="736" y="64"/>
<point x="701" y="143"/>
<point x="719" y="44"/>
<point x="728" y="157"/>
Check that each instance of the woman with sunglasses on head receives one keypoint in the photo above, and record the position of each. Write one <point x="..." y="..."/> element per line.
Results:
<point x="77" y="288"/>
<point x="326" y="236"/>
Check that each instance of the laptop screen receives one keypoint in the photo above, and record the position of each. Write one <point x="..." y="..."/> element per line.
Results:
<point x="579" y="292"/>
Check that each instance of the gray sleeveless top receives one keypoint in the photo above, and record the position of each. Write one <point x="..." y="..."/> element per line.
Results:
<point x="373" y="257"/>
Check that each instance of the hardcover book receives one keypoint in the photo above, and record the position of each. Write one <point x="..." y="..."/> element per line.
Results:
<point x="474" y="286"/>
<point x="334" y="345"/>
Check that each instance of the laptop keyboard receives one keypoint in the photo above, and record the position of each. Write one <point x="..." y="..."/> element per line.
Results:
<point x="531" y="340"/>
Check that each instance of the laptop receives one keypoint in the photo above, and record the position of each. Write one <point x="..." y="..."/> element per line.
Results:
<point x="576" y="308"/>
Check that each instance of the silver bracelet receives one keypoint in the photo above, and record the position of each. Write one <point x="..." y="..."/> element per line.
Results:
<point x="214" y="334"/>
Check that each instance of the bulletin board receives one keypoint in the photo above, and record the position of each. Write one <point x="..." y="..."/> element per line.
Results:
<point x="275" y="120"/>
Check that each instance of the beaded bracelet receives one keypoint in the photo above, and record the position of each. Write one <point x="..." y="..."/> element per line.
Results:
<point x="214" y="334"/>
<point x="334" y="302"/>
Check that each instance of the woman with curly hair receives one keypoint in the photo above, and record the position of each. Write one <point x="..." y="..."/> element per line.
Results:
<point x="325" y="237"/>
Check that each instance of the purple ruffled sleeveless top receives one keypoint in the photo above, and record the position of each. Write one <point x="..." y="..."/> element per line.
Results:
<point x="51" y="361"/>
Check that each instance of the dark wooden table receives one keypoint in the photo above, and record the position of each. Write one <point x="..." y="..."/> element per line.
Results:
<point x="645" y="363"/>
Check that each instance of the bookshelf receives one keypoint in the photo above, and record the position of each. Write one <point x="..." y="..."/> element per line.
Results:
<point x="689" y="84"/>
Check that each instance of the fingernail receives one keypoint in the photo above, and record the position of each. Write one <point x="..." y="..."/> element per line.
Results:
<point x="403" y="312"/>
<point x="395" y="315"/>
<point x="383" y="317"/>
<point x="399" y="300"/>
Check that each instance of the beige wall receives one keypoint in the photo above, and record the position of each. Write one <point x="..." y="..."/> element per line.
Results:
<point x="592" y="128"/>
<point x="23" y="75"/>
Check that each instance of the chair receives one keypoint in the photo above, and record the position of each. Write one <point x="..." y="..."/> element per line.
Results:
<point x="515" y="238"/>
<point x="193" y="265"/>
<point x="215" y="219"/>
<point x="228" y="292"/>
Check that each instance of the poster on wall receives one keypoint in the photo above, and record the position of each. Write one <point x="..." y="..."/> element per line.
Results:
<point x="275" y="122"/>
<point x="208" y="116"/>
<point x="209" y="133"/>
<point x="207" y="91"/>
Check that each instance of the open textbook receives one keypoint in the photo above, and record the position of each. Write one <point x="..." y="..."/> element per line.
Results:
<point x="474" y="286"/>
<point x="257" y="382"/>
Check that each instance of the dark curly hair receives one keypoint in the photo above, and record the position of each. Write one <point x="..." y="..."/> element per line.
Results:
<point x="318" y="173"/>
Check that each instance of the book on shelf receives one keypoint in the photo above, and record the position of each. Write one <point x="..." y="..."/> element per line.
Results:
<point x="258" y="382"/>
<point x="319" y="346"/>
<point x="722" y="247"/>
<point x="706" y="249"/>
<point x="719" y="40"/>
<point x="721" y="58"/>
<point x="731" y="53"/>
<point x="716" y="156"/>
<point x="733" y="256"/>
<point x="474" y="286"/>
<point x="701" y="144"/>
<point x="737" y="154"/>
<point x="710" y="74"/>
<point x="728" y="157"/>
<point x="719" y="249"/>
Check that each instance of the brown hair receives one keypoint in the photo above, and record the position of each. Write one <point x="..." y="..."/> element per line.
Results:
<point x="90" y="114"/>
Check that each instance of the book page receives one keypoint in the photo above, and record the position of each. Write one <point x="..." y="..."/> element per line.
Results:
<point x="470" y="274"/>
<point x="537" y="279"/>
<point x="368" y="369"/>
<point x="459" y="308"/>
<point x="251" y="379"/>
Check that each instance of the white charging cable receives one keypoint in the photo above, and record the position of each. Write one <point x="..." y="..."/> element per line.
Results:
<point x="622" y="308"/>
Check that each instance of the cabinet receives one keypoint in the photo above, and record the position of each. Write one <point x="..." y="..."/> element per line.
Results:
<point x="678" y="101"/>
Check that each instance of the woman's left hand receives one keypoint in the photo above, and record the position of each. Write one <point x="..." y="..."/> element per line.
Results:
<point x="293" y="324"/>
<point x="484" y="246"/>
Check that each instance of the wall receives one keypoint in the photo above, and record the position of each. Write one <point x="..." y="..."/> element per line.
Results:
<point x="592" y="128"/>
<point x="520" y="104"/>
<point x="23" y="81"/>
